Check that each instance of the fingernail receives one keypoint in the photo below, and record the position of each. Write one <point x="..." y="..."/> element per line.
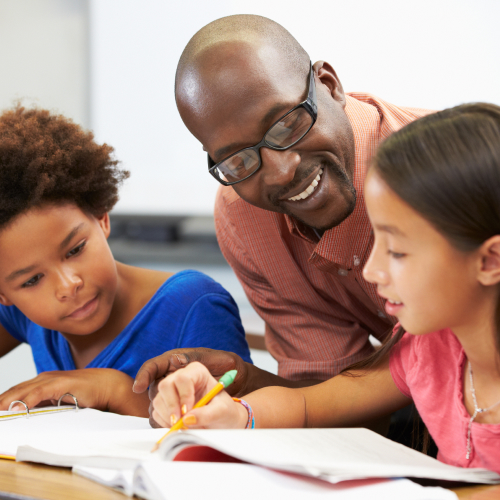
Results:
<point x="133" y="386"/>
<point x="173" y="419"/>
<point x="190" y="420"/>
<point x="181" y="359"/>
<point x="184" y="409"/>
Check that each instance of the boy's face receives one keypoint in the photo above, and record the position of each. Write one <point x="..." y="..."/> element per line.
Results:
<point x="56" y="268"/>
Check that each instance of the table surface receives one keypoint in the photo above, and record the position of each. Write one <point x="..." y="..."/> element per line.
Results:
<point x="35" y="481"/>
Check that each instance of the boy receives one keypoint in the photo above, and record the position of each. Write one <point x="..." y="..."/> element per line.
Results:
<point x="91" y="321"/>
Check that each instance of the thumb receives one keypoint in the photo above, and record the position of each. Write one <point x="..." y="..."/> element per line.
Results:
<point x="151" y="370"/>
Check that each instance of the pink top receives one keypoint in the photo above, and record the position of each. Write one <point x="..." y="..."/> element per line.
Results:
<point x="429" y="369"/>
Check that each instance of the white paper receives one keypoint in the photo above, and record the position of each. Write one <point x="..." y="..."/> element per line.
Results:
<point x="331" y="454"/>
<point x="53" y="429"/>
<point x="118" y="479"/>
<point x="227" y="481"/>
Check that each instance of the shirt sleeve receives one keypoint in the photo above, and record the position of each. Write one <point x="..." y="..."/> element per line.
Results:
<point x="296" y="333"/>
<point x="15" y="322"/>
<point x="400" y="361"/>
<point x="213" y="321"/>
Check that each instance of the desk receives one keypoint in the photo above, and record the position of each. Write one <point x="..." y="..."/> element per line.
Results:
<point x="36" y="481"/>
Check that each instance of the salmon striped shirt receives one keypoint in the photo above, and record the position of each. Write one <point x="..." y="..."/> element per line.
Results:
<point x="318" y="309"/>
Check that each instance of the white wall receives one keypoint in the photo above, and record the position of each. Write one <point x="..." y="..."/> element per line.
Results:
<point x="44" y="55"/>
<point x="431" y="53"/>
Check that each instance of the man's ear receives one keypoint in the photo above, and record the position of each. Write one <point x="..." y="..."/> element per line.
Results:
<point x="105" y="224"/>
<point x="4" y="300"/>
<point x="329" y="78"/>
<point x="489" y="273"/>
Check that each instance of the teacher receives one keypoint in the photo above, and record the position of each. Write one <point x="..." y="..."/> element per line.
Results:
<point x="290" y="149"/>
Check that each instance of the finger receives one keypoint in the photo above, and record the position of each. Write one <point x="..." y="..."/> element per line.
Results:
<point x="166" y="404"/>
<point x="217" y="414"/>
<point x="16" y="393"/>
<point x="36" y="395"/>
<point x="152" y="422"/>
<point x="151" y="370"/>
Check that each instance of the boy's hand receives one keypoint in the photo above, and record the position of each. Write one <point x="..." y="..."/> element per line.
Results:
<point x="100" y="388"/>
<point x="178" y="393"/>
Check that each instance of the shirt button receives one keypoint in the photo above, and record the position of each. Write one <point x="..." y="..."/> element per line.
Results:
<point x="343" y="272"/>
<point x="357" y="261"/>
<point x="380" y="314"/>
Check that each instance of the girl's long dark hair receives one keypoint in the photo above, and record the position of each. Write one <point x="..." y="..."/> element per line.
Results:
<point x="446" y="166"/>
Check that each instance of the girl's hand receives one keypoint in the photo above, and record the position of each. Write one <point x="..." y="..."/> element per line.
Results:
<point x="179" y="392"/>
<point x="100" y="388"/>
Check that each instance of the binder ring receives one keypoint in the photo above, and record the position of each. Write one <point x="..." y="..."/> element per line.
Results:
<point x="74" y="398"/>
<point x="23" y="403"/>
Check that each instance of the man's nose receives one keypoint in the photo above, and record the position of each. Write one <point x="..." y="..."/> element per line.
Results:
<point x="68" y="283"/>
<point x="279" y="167"/>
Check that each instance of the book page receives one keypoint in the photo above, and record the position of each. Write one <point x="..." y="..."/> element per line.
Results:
<point x="68" y="425"/>
<point x="333" y="454"/>
<point x="225" y="481"/>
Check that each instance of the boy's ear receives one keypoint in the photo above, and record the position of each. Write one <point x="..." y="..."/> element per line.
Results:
<point x="489" y="273"/>
<point x="329" y="78"/>
<point x="4" y="300"/>
<point x="105" y="224"/>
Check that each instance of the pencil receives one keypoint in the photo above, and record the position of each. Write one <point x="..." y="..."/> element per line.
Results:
<point x="224" y="381"/>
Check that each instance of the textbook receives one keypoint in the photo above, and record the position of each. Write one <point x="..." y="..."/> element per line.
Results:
<point x="161" y="480"/>
<point x="98" y="439"/>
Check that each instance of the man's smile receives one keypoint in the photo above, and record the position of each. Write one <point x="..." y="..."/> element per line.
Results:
<point x="308" y="190"/>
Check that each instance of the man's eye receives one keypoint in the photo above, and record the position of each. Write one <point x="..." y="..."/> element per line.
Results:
<point x="76" y="250"/>
<point x="32" y="282"/>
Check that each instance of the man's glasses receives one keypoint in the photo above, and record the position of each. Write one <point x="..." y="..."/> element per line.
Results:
<point x="283" y="134"/>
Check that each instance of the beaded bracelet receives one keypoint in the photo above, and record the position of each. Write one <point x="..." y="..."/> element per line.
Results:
<point x="251" y="418"/>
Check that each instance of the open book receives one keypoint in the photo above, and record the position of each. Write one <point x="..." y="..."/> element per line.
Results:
<point x="226" y="481"/>
<point x="98" y="439"/>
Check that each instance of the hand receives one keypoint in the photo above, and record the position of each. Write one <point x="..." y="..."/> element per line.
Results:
<point x="100" y="388"/>
<point x="178" y="393"/>
<point x="153" y="371"/>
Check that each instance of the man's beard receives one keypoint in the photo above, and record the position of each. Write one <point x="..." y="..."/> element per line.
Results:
<point x="345" y="185"/>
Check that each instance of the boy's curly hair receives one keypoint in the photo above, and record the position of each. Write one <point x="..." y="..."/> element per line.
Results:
<point x="46" y="158"/>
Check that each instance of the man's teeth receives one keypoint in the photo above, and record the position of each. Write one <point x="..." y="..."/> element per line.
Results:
<point x="308" y="190"/>
<point x="394" y="302"/>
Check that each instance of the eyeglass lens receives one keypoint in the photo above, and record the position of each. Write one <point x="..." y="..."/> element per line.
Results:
<point x="289" y="130"/>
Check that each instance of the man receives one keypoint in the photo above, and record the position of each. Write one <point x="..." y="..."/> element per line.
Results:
<point x="291" y="150"/>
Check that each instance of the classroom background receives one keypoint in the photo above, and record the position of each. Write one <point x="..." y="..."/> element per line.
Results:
<point x="110" y="66"/>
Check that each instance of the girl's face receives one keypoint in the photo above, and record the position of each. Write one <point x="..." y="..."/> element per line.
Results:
<point x="429" y="284"/>
<point x="57" y="269"/>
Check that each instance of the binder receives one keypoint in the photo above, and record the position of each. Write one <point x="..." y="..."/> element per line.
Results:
<point x="8" y="415"/>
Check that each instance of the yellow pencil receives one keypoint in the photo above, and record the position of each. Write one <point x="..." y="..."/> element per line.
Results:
<point x="224" y="381"/>
<point x="7" y="457"/>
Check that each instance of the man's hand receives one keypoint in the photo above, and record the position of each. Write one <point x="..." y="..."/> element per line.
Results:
<point x="153" y="371"/>
<point x="100" y="388"/>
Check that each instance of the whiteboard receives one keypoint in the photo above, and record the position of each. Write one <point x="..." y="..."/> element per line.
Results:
<point x="431" y="53"/>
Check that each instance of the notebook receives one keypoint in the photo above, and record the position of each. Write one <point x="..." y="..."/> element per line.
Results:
<point x="99" y="439"/>
<point x="227" y="481"/>
<point x="58" y="425"/>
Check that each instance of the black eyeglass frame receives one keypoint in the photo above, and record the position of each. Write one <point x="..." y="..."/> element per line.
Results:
<point x="310" y="105"/>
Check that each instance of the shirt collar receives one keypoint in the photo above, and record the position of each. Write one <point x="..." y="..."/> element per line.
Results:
<point x="348" y="244"/>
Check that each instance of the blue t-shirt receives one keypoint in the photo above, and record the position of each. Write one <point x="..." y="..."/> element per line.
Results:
<point x="188" y="310"/>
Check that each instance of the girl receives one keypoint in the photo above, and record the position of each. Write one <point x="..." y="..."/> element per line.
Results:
<point x="91" y="321"/>
<point x="433" y="198"/>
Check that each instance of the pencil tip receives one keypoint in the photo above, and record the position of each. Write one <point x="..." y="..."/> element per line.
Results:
<point x="155" y="447"/>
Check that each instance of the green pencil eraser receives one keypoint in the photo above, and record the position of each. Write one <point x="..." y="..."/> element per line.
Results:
<point x="228" y="377"/>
